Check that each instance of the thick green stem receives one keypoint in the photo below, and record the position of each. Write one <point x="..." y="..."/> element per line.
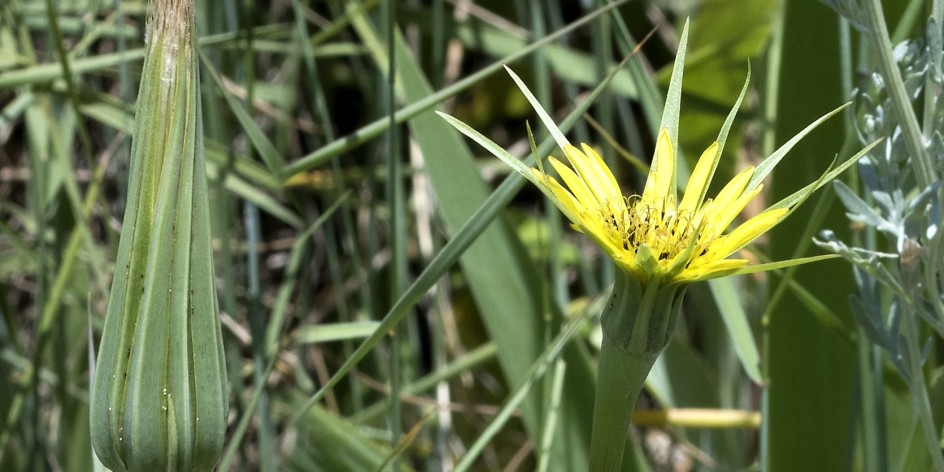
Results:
<point x="637" y="325"/>
<point x="621" y="378"/>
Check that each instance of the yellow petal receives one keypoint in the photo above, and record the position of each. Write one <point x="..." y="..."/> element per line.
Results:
<point x="577" y="185"/>
<point x="745" y="233"/>
<point x="561" y="197"/>
<point x="710" y="270"/>
<point x="662" y="176"/>
<point x="727" y="214"/>
<point x="608" y="246"/>
<point x="610" y="188"/>
<point x="698" y="182"/>
<point x="600" y="182"/>
<point x="733" y="189"/>
<point x="603" y="226"/>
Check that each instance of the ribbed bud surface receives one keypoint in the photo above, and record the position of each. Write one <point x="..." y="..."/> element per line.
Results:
<point x="159" y="398"/>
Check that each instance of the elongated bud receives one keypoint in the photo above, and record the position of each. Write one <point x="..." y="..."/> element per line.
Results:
<point x="159" y="398"/>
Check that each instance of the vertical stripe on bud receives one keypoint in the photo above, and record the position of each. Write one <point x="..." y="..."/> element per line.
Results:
<point x="159" y="398"/>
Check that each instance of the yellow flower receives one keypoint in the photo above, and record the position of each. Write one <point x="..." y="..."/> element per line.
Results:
<point x="660" y="242"/>
<point x="654" y="236"/>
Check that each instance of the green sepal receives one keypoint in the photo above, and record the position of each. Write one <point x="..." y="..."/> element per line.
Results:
<point x="640" y="315"/>
<point x="755" y="268"/>
<point x="673" y="106"/>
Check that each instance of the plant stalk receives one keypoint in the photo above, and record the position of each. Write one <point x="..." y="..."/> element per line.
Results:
<point x="621" y="378"/>
<point x="914" y="140"/>
<point x="919" y="389"/>
<point x="638" y="323"/>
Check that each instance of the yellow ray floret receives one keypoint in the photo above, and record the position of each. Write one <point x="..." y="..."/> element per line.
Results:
<point x="653" y="236"/>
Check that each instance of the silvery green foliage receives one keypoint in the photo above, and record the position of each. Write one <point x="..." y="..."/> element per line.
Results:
<point x="897" y="255"/>
<point x="897" y="220"/>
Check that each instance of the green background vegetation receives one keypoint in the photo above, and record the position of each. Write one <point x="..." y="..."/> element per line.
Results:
<point x="329" y="218"/>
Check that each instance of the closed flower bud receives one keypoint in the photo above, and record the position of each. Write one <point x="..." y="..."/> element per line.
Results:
<point x="159" y="399"/>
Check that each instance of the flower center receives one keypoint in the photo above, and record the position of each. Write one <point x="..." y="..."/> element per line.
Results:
<point x="632" y="222"/>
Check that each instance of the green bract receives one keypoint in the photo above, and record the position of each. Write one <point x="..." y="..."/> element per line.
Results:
<point x="159" y="399"/>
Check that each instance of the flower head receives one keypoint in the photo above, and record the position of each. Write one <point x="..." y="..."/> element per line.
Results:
<point x="660" y="242"/>
<point x="654" y="235"/>
<point x="657" y="237"/>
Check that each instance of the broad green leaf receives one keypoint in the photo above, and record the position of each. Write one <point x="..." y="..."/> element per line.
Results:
<point x="809" y="368"/>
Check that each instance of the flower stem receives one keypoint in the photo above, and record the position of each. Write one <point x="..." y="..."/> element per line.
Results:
<point x="622" y="376"/>
<point x="637" y="325"/>
<point x="914" y="141"/>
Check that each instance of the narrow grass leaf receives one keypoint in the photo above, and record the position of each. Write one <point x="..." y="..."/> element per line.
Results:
<point x="267" y="151"/>
<point x="737" y="325"/>
<point x="527" y="382"/>
<point x="379" y="126"/>
<point x="334" y="332"/>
